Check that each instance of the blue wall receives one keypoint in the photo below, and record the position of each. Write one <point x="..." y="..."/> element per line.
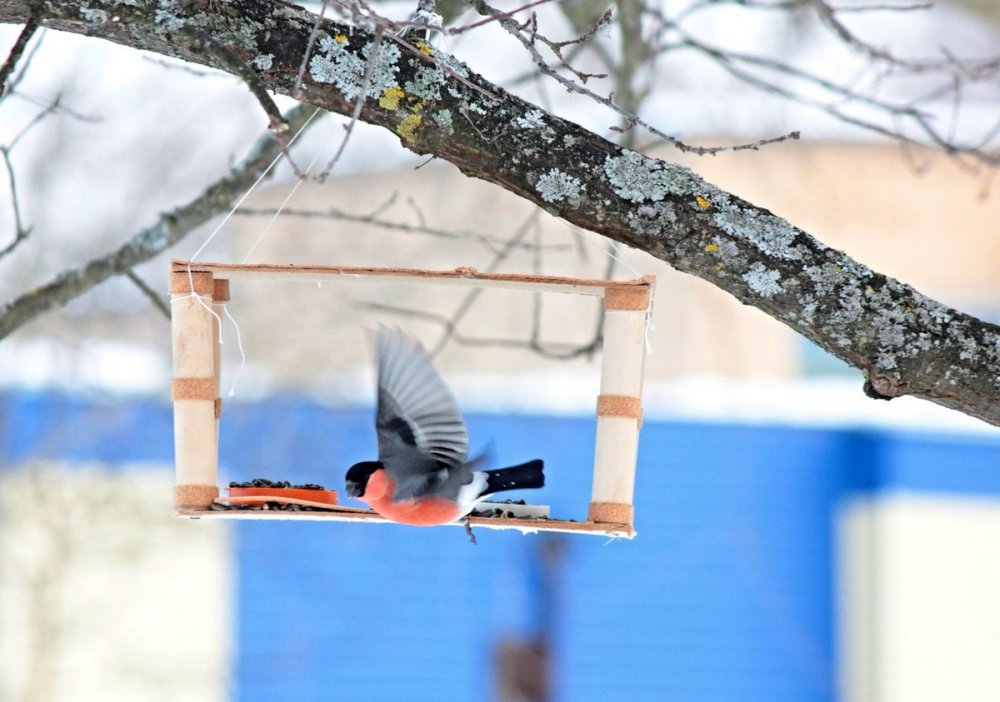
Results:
<point x="725" y="594"/>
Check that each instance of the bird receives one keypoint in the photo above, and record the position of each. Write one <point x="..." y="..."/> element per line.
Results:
<point x="422" y="476"/>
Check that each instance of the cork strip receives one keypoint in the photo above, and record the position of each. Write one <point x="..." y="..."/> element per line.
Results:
<point x="619" y="406"/>
<point x="610" y="512"/>
<point x="195" y="389"/>
<point x="188" y="496"/>
<point x="635" y="298"/>
<point x="220" y="290"/>
<point x="180" y="283"/>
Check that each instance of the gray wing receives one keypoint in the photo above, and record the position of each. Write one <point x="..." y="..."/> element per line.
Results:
<point x="422" y="440"/>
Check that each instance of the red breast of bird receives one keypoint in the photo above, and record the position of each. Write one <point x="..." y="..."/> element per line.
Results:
<point x="429" y="510"/>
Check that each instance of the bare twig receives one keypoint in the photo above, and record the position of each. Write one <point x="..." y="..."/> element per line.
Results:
<point x="492" y="243"/>
<point x="238" y="67"/>
<point x="557" y="46"/>
<point x="54" y="106"/>
<point x="297" y="92"/>
<point x="21" y="230"/>
<point x="562" y="351"/>
<point x="417" y="211"/>
<point x="182" y="67"/>
<point x="470" y="298"/>
<point x="30" y="27"/>
<point x="167" y="231"/>
<point x="630" y="119"/>
<point x="499" y="16"/>
<point x="883" y="8"/>
<point x="373" y="55"/>
<point x="154" y="297"/>
<point x="731" y="63"/>
<point x="899" y="116"/>
<point x="553" y="351"/>
<point x="451" y="72"/>
<point x="829" y="17"/>
<point x="450" y="323"/>
<point x="21" y="233"/>
<point x="363" y="15"/>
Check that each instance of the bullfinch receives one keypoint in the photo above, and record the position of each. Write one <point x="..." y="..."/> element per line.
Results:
<point x="422" y="476"/>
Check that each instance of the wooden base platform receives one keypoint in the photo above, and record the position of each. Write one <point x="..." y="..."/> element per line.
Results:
<point x="353" y="514"/>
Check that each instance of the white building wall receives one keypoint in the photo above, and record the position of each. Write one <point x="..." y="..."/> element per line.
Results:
<point x="104" y="594"/>
<point x="919" y="602"/>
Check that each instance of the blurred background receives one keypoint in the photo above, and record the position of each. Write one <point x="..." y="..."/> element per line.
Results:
<point x="796" y="540"/>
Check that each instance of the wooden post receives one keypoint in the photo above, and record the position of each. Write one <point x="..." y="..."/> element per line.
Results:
<point x="619" y="406"/>
<point x="195" y="389"/>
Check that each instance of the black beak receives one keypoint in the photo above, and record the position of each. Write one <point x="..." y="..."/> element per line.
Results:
<point x="356" y="479"/>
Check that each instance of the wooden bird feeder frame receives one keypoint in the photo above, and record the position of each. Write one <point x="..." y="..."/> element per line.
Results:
<point x="198" y="291"/>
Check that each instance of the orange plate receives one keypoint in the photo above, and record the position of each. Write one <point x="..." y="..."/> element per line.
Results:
<point x="275" y="494"/>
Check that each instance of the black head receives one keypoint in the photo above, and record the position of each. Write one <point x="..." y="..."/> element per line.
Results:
<point x="357" y="477"/>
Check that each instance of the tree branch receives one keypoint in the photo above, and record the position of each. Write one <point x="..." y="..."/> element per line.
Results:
<point x="21" y="232"/>
<point x="906" y="343"/>
<point x="30" y="27"/>
<point x="154" y="297"/>
<point x="167" y="231"/>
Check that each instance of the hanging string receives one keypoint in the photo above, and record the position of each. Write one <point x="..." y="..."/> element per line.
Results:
<point x="203" y="304"/>
<point x="613" y="249"/>
<point x="218" y="228"/>
<point x="251" y="189"/>
<point x="278" y="211"/>
<point x="239" y="343"/>
<point x="615" y="253"/>
<point x="218" y="319"/>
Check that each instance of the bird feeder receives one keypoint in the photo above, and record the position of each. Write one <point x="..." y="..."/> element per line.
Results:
<point x="198" y="291"/>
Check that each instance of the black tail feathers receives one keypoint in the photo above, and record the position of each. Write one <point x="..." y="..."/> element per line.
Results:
<point x="526" y="475"/>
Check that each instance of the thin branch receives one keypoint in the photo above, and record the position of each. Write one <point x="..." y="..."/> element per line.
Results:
<point x="494" y="18"/>
<point x="730" y="64"/>
<point x="417" y="211"/>
<point x="158" y="302"/>
<point x="30" y="27"/>
<point x="21" y="233"/>
<point x="167" y="231"/>
<point x="883" y="8"/>
<point x="182" y="67"/>
<point x="393" y="30"/>
<point x="554" y="351"/>
<point x="55" y="106"/>
<point x="958" y="75"/>
<point x="492" y="243"/>
<point x="297" y="91"/>
<point x="829" y="17"/>
<point x="52" y="108"/>
<point x="630" y="119"/>
<point x="373" y="56"/>
<point x="238" y="67"/>
<point x="473" y="295"/>
<point x="450" y="324"/>
<point x="557" y="46"/>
